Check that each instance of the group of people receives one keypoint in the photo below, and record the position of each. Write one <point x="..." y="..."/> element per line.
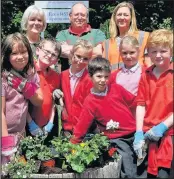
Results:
<point x="127" y="79"/>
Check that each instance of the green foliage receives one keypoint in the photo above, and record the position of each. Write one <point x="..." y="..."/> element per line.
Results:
<point x="166" y="24"/>
<point x="80" y="156"/>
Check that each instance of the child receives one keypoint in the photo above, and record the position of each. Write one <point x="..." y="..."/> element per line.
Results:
<point x="20" y="83"/>
<point x="154" y="112"/>
<point x="75" y="84"/>
<point x="106" y="102"/>
<point x="47" y="53"/>
<point x="129" y="75"/>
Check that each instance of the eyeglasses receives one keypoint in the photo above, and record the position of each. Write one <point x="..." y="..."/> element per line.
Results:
<point x="78" y="58"/>
<point x="48" y="53"/>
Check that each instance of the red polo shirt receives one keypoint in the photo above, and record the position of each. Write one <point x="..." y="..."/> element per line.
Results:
<point x="157" y="96"/>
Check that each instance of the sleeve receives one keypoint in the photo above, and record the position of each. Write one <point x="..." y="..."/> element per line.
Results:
<point x="60" y="37"/>
<point x="128" y="97"/>
<point x="85" y="121"/>
<point x="100" y="37"/>
<point x="140" y="99"/>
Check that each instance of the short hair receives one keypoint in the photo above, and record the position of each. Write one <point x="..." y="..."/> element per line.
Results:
<point x="131" y="40"/>
<point x="98" y="64"/>
<point x="28" y="12"/>
<point x="81" y="4"/>
<point x="82" y="43"/>
<point x="162" y="37"/>
<point x="113" y="29"/>
<point x="7" y="48"/>
<point x="56" y="45"/>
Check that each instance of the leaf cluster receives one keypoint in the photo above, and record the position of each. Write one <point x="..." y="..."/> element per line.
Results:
<point x="80" y="156"/>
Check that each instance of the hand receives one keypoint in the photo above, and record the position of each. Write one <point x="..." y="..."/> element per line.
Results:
<point x="8" y="144"/>
<point x="48" y="127"/>
<point x="156" y="132"/>
<point x="138" y="143"/>
<point x="20" y="84"/>
<point x="58" y="94"/>
<point x="34" y="129"/>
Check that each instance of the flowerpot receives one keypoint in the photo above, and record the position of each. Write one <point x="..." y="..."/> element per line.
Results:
<point x="48" y="163"/>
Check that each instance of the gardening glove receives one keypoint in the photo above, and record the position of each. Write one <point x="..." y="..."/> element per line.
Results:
<point x="156" y="132"/>
<point x="58" y="94"/>
<point x="8" y="145"/>
<point x="21" y="85"/>
<point x="138" y="143"/>
<point x="48" y="127"/>
<point x="34" y="129"/>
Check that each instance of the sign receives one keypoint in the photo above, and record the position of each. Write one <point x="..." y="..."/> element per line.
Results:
<point x="58" y="4"/>
<point x="58" y="11"/>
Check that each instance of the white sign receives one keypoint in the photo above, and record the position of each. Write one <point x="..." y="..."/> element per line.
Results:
<point x="57" y="15"/>
<point x="58" y="4"/>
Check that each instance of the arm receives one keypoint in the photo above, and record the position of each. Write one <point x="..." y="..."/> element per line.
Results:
<point x="4" y="124"/>
<point x="37" y="98"/>
<point x="169" y="121"/>
<point x="140" y="113"/>
<point x="97" y="51"/>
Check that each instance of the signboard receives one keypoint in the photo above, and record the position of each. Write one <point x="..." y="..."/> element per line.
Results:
<point x="58" y="11"/>
<point x="58" y="4"/>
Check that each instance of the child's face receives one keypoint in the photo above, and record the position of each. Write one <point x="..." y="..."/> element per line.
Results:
<point x="35" y="23"/>
<point x="81" y="58"/>
<point x="19" y="56"/>
<point x="100" y="80"/>
<point x="160" y="55"/>
<point x="47" y="55"/>
<point x="129" y="55"/>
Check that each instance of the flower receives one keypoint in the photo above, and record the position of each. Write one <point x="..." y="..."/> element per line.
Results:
<point x="82" y="144"/>
<point x="111" y="125"/>
<point x="112" y="151"/>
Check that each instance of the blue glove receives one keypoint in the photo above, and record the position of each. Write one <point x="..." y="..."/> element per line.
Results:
<point x="156" y="132"/>
<point x="138" y="143"/>
<point x="48" y="127"/>
<point x="34" y="128"/>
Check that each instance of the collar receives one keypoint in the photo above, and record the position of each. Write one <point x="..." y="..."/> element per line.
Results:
<point x="131" y="70"/>
<point x="150" y="69"/>
<point x="100" y="94"/>
<point x="73" y="30"/>
<point x="77" y="75"/>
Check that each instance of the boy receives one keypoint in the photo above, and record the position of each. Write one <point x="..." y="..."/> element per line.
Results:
<point x="106" y="102"/>
<point x="154" y="112"/>
<point x="48" y="53"/>
<point x="75" y="84"/>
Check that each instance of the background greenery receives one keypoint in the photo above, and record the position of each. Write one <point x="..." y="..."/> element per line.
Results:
<point x="151" y="14"/>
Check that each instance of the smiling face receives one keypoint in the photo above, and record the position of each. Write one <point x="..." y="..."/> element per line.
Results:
<point x="78" y="16"/>
<point x="35" y="23"/>
<point x="160" y="56"/>
<point x="47" y="55"/>
<point x="123" y="18"/>
<point x="80" y="59"/>
<point x="129" y="55"/>
<point x="100" y="80"/>
<point x="19" y="56"/>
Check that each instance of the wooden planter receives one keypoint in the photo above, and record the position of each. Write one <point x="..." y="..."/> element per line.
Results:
<point x="111" y="170"/>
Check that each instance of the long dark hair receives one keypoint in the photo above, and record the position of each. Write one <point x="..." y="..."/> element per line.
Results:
<point x="7" y="47"/>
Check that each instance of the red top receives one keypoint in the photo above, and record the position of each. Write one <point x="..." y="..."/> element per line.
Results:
<point x="73" y="30"/>
<point x="115" y="105"/>
<point x="157" y="96"/>
<point x="48" y="84"/>
<point x="73" y="104"/>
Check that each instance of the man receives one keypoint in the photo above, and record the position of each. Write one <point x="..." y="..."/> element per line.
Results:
<point x="79" y="29"/>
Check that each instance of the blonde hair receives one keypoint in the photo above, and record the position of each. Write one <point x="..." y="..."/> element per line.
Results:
<point x="131" y="40"/>
<point x="113" y="29"/>
<point x="162" y="37"/>
<point x="28" y="12"/>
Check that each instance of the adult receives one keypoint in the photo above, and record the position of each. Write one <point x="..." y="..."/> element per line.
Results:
<point x="122" y="23"/>
<point x="79" y="28"/>
<point x="32" y="24"/>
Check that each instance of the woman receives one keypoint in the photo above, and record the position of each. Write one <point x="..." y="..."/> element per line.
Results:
<point x="123" y="22"/>
<point x="33" y="23"/>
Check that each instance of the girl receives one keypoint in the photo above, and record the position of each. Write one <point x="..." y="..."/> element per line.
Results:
<point x="19" y="84"/>
<point x="75" y="84"/>
<point x="33" y="23"/>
